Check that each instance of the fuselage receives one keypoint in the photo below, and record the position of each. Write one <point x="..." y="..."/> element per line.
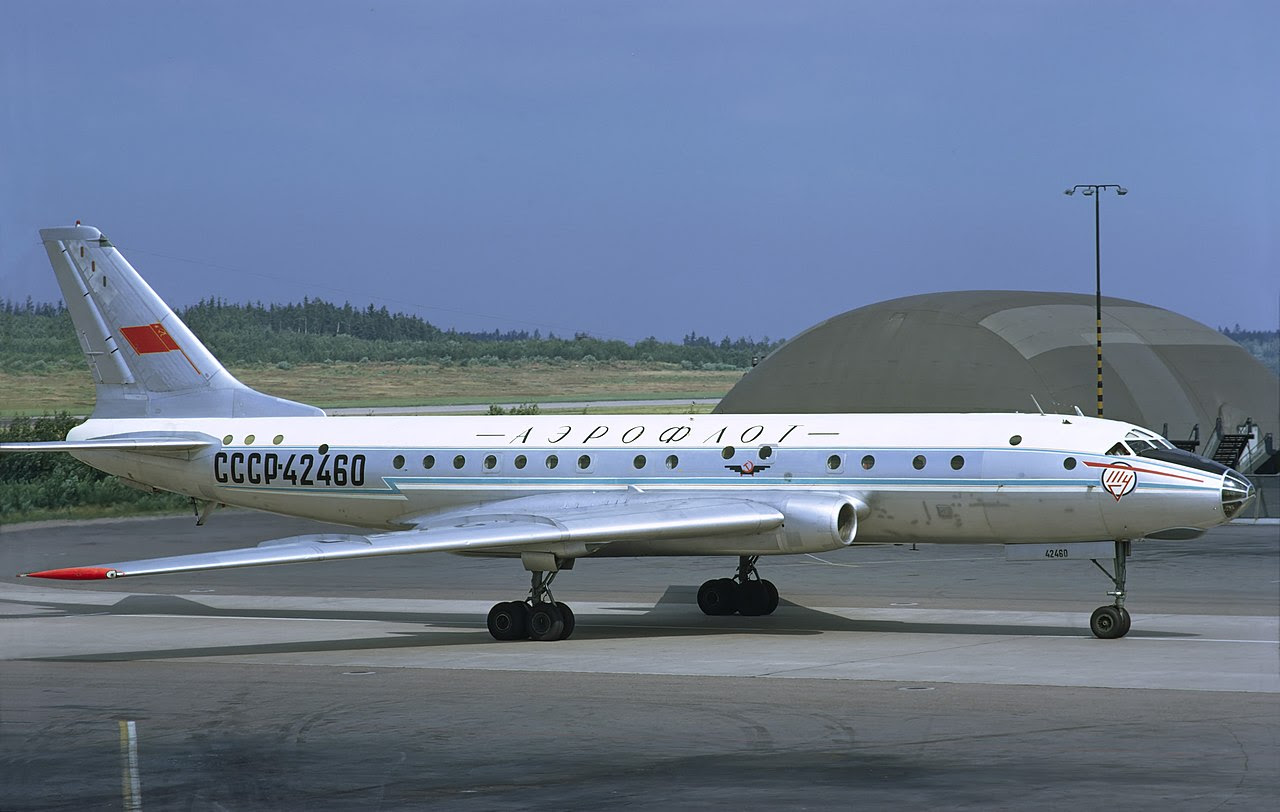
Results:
<point x="963" y="478"/>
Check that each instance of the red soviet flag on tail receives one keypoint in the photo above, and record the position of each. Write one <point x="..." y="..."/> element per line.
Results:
<point x="149" y="338"/>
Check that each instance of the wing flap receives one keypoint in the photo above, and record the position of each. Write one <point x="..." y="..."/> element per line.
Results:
<point x="569" y="531"/>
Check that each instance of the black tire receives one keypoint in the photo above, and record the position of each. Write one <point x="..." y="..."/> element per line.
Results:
<point x="566" y="614"/>
<point x="1125" y="620"/>
<point x="1107" y="623"/>
<point x="718" y="596"/>
<point x="753" y="599"/>
<point x="545" y="622"/>
<point x="773" y="597"/>
<point x="507" y="621"/>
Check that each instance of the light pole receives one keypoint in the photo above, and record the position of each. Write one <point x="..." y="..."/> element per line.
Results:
<point x="1096" y="189"/>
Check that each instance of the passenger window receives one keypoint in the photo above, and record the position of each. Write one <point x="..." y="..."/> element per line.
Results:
<point x="521" y="461"/>
<point x="552" y="460"/>
<point x="727" y="452"/>
<point x="398" y="462"/>
<point x="639" y="461"/>
<point x="429" y="461"/>
<point x="868" y="462"/>
<point x="459" y="461"/>
<point x="918" y="462"/>
<point x="833" y="462"/>
<point x="490" y="462"/>
<point x="957" y="462"/>
<point x="672" y="461"/>
<point x="766" y="452"/>
<point x="584" y="462"/>
<point x="1069" y="463"/>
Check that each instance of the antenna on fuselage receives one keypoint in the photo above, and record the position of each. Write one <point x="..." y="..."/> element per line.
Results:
<point x="1039" y="408"/>
<point x="1077" y="408"/>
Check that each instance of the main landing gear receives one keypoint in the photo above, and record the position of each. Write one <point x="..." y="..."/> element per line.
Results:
<point x="537" y="617"/>
<point x="1112" y="622"/>
<point x="745" y="593"/>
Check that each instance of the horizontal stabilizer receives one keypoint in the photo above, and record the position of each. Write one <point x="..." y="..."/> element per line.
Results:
<point x="570" y="532"/>
<point x="142" y="443"/>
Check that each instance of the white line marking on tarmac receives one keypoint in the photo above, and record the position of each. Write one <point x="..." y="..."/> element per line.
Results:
<point x="1202" y="640"/>
<point x="260" y="617"/>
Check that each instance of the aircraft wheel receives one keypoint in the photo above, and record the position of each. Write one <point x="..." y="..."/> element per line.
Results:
<point x="566" y="614"/>
<point x="753" y="599"/>
<point x="1107" y="622"/>
<point x="545" y="622"/>
<point x="772" y="603"/>
<point x="718" y="597"/>
<point x="507" y="620"/>
<point x="1125" y="621"/>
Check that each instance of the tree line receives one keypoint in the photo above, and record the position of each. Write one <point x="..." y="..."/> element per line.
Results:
<point x="39" y="335"/>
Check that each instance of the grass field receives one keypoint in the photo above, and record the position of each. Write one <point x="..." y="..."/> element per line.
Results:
<point x="389" y="384"/>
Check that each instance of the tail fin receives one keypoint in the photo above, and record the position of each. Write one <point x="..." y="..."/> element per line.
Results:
<point x="145" y="361"/>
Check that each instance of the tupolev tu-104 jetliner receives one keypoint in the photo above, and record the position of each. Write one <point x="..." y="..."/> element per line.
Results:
<point x="550" y="490"/>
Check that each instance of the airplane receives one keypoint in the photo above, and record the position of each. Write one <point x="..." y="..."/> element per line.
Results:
<point x="548" y="490"/>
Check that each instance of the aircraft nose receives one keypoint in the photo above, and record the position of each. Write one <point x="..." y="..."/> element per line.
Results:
<point x="1236" y="493"/>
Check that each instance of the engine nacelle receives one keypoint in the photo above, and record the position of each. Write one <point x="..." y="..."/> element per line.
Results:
<point x="815" y="522"/>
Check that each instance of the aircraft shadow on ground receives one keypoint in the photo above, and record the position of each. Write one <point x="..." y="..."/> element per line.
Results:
<point x="674" y="615"/>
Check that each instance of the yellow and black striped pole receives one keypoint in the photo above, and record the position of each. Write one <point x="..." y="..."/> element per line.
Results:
<point x="1096" y="190"/>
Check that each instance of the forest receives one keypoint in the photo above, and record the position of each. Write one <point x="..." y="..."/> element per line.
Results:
<point x="36" y="336"/>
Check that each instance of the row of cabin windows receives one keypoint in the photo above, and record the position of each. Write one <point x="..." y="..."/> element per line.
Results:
<point x="834" y="463"/>
<point x="521" y="461"/>
<point x="727" y="452"/>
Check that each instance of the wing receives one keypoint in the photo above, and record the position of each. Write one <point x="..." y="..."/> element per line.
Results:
<point x="571" y="526"/>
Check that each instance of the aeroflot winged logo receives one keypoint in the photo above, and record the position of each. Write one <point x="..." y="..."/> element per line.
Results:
<point x="747" y="468"/>
<point x="150" y="338"/>
<point x="1119" y="480"/>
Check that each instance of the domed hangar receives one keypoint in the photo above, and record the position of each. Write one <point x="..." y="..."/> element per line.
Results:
<point x="986" y="351"/>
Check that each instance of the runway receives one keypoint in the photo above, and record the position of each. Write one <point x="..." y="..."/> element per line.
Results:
<point x="889" y="677"/>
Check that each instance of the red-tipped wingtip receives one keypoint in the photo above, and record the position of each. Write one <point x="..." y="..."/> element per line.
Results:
<point x="74" y="574"/>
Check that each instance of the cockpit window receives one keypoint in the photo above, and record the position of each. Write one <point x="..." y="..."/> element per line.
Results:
<point x="1118" y="450"/>
<point x="1141" y="440"/>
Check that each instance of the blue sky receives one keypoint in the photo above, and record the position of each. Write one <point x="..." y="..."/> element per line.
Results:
<point x="628" y="169"/>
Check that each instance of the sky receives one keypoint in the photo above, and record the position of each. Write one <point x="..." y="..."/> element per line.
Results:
<point x="629" y="169"/>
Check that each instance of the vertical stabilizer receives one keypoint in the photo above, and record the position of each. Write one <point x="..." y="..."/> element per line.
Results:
<point x="145" y="362"/>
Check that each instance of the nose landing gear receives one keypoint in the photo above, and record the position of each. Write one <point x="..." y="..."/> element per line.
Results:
<point x="1112" y="622"/>
<point x="745" y="594"/>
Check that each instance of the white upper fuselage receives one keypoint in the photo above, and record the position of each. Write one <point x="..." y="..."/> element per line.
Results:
<point x="922" y="477"/>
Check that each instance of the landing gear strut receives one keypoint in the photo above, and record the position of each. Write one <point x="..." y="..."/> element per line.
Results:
<point x="537" y="617"/>
<point x="745" y="593"/>
<point x="1112" y="622"/>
